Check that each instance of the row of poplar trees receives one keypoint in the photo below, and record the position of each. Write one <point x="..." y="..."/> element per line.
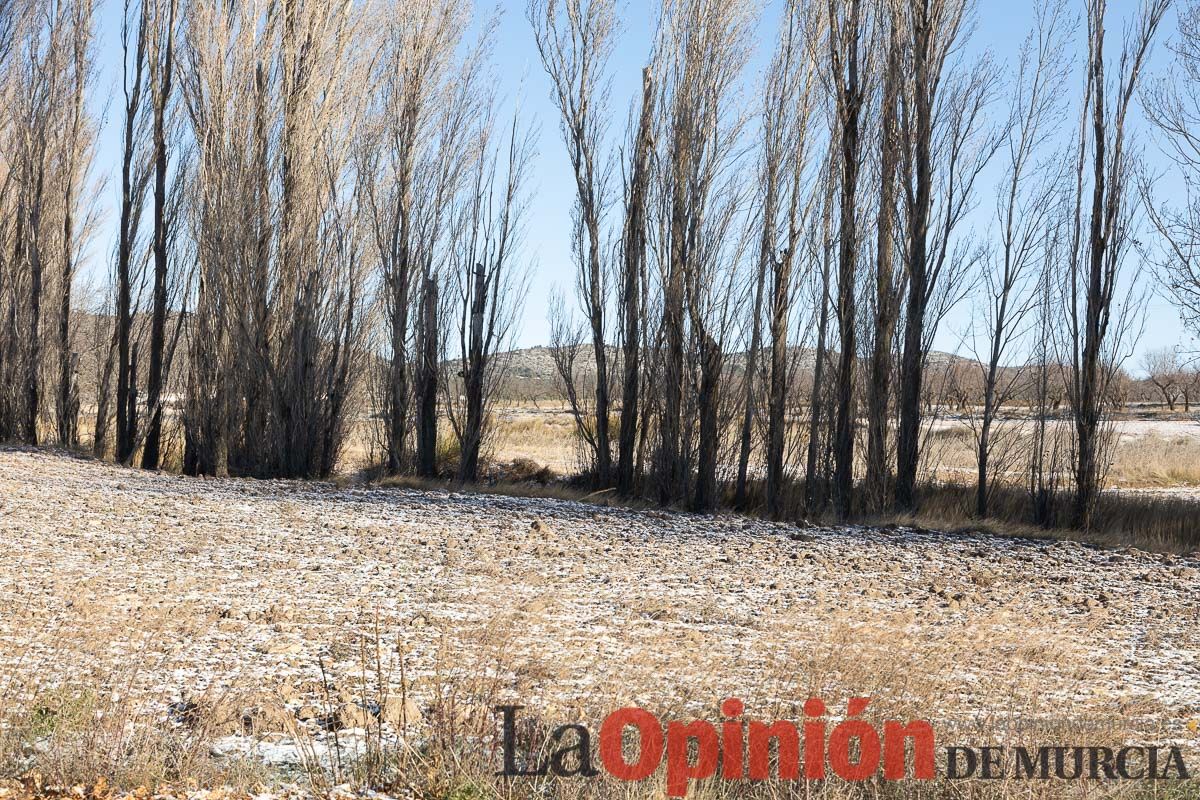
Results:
<point x="773" y="266"/>
<point x="315" y="202"/>
<point x="320" y="214"/>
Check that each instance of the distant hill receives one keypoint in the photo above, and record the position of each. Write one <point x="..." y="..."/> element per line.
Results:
<point x="530" y="373"/>
<point x="533" y="375"/>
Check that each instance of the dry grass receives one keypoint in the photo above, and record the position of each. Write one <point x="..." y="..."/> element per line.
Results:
<point x="1156" y="523"/>
<point x="1156" y="462"/>
<point x="95" y="730"/>
<point x="450" y="750"/>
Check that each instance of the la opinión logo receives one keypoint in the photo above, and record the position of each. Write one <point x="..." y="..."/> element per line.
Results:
<point x="736" y="748"/>
<point x="634" y="744"/>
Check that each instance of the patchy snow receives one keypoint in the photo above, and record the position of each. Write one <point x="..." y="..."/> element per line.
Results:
<point x="305" y="596"/>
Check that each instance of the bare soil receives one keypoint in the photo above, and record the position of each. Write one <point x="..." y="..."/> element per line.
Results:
<point x="183" y="592"/>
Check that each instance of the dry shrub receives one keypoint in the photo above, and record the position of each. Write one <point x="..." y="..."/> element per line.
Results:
<point x="80" y="736"/>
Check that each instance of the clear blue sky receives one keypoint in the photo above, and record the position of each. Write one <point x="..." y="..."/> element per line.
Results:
<point x="1001" y="28"/>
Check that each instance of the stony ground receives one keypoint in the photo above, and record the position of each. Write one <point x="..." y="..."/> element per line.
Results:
<point x="186" y="594"/>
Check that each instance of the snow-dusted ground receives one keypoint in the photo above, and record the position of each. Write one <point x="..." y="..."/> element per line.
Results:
<point x="178" y="590"/>
<point x="1126" y="429"/>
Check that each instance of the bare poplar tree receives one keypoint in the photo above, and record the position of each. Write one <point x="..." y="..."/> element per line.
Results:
<point x="1102" y="238"/>
<point x="135" y="177"/>
<point x="944" y="153"/>
<point x="229" y="184"/>
<point x="161" y="74"/>
<point x="889" y="283"/>
<point x="420" y="116"/>
<point x="789" y="103"/>
<point x="274" y="96"/>
<point x="77" y="151"/>
<point x="633" y="280"/>
<point x="1026" y="202"/>
<point x="848" y="75"/>
<point x="706" y="46"/>
<point x="47" y="52"/>
<point x="575" y="39"/>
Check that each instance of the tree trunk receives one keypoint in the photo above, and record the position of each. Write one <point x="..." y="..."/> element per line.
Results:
<point x="814" y="490"/>
<point x="130" y="400"/>
<point x="127" y="427"/>
<point x="33" y="366"/>
<point x="397" y="415"/>
<point x="982" y="486"/>
<point x="777" y="393"/>
<point x="600" y="356"/>
<point x="474" y="374"/>
<point x="427" y="383"/>
<point x="879" y="387"/>
<point x="156" y="372"/>
<point x="747" y="433"/>
<point x="67" y="411"/>
<point x="103" y="396"/>
<point x="908" y="446"/>
<point x="849" y="107"/>
<point x="633" y="270"/>
<point x="710" y="435"/>
<point x="671" y="469"/>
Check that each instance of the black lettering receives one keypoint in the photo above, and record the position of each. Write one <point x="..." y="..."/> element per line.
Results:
<point x="952" y="762"/>
<point x="509" y="743"/>
<point x="1123" y="764"/>
<point x="1100" y="763"/>
<point x="1175" y="760"/>
<point x="1060" y="767"/>
<point x="582" y="749"/>
<point x="990" y="761"/>
<point x="1026" y="766"/>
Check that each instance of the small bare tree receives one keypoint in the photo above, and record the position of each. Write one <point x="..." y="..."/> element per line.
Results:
<point x="487" y="281"/>
<point x="1166" y="374"/>
<point x="1025" y="206"/>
